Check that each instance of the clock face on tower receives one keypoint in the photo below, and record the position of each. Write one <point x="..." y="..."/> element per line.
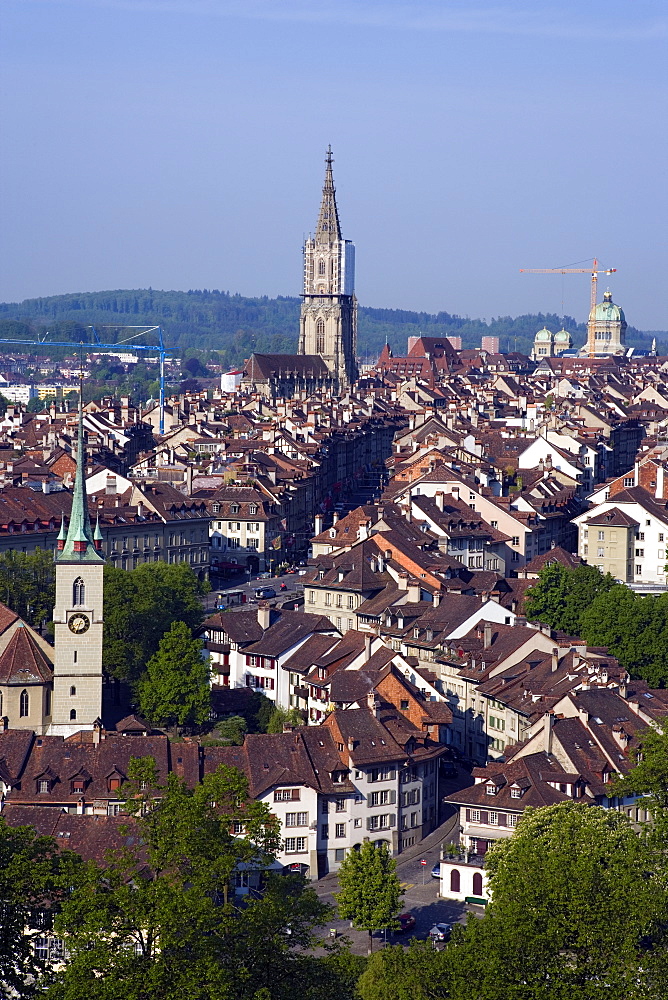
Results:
<point x="78" y="623"/>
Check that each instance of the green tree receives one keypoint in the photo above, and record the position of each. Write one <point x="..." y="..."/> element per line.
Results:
<point x="159" y="919"/>
<point x="634" y="629"/>
<point x="139" y="607"/>
<point x="419" y="972"/>
<point x="28" y="584"/>
<point x="560" y="596"/>
<point x="174" y="690"/>
<point x="33" y="875"/>
<point x="283" y="717"/>
<point x="370" y="892"/>
<point x="578" y="910"/>
<point x="649" y="778"/>
<point x="232" y="729"/>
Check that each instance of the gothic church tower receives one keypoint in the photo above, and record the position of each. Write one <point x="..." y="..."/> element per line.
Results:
<point x="77" y="669"/>
<point x="328" y="325"/>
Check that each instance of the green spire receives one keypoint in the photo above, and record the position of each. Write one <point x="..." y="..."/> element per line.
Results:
<point x="80" y="543"/>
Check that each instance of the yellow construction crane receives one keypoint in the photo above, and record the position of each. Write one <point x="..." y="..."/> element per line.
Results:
<point x="594" y="270"/>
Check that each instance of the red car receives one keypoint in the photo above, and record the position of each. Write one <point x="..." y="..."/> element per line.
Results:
<point x="406" y="922"/>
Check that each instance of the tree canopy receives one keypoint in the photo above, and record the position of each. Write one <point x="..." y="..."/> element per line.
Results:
<point x="578" y="909"/>
<point x="370" y="892"/>
<point x="28" y="584"/>
<point x="174" y="690"/>
<point x="139" y="607"/>
<point x="560" y="596"/>
<point x="160" y="919"/>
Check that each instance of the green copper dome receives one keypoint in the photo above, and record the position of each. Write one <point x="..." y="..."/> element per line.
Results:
<point x="607" y="312"/>
<point x="544" y="334"/>
<point x="562" y="337"/>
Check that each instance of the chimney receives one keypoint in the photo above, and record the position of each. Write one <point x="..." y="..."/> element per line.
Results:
<point x="438" y="497"/>
<point x="351" y="744"/>
<point x="436" y="599"/>
<point x="487" y="635"/>
<point x="189" y="479"/>
<point x="140" y="509"/>
<point x="548" y="722"/>
<point x="414" y="592"/>
<point x="263" y="615"/>
<point x="80" y="806"/>
<point x="287" y="728"/>
<point x="318" y="524"/>
<point x="363" y="531"/>
<point x="402" y="582"/>
<point x="367" y="648"/>
<point x="373" y="703"/>
<point x="97" y="732"/>
<point x="555" y="659"/>
<point x="110" y="485"/>
<point x="4" y="724"/>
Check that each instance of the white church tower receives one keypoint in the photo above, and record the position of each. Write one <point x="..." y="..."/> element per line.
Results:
<point x="77" y="669"/>
<point x="328" y="325"/>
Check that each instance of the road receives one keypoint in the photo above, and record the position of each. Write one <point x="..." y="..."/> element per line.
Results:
<point x="420" y="896"/>
<point x="293" y="582"/>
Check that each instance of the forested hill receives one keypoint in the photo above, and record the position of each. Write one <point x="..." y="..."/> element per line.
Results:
<point x="213" y="320"/>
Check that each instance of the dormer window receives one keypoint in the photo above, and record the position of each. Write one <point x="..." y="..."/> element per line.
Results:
<point x="78" y="785"/>
<point x="332" y="532"/>
<point x="113" y="784"/>
<point x="215" y="508"/>
<point x="515" y="792"/>
<point x="234" y="508"/>
<point x="491" y="789"/>
<point x="43" y="786"/>
<point x="416" y="633"/>
<point x="252" y="509"/>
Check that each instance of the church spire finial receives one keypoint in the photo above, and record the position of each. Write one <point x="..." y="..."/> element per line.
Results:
<point x="79" y="544"/>
<point x="328" y="229"/>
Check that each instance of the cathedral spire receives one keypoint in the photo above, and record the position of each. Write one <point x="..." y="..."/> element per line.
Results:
<point x="328" y="229"/>
<point x="79" y="544"/>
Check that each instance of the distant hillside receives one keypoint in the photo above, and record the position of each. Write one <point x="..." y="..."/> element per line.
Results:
<point x="236" y="326"/>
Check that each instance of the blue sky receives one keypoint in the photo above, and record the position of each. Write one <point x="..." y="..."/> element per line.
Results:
<point x="180" y="144"/>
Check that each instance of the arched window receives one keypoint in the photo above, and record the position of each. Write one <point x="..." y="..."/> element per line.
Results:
<point x="78" y="592"/>
<point x="47" y="702"/>
<point x="454" y="880"/>
<point x="477" y="884"/>
<point x="320" y="337"/>
<point x="321" y="267"/>
<point x="73" y="690"/>
<point x="73" y="714"/>
<point x="24" y="704"/>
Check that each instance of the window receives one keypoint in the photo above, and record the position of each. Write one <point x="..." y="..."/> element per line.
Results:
<point x="357" y="821"/>
<point x="493" y="818"/>
<point x="295" y="845"/>
<point x="491" y="789"/>
<point x="73" y="691"/>
<point x="475" y="815"/>
<point x="43" y="787"/>
<point x="640" y="553"/>
<point x="600" y="552"/>
<point x="641" y="536"/>
<point x="114" y="784"/>
<point x="339" y="854"/>
<point x="511" y="819"/>
<point x="661" y="536"/>
<point x="516" y="793"/>
<point x="454" y="880"/>
<point x="340" y="805"/>
<point x="404" y="705"/>
<point x="73" y="714"/>
<point x="516" y="540"/>
<point x="286" y="795"/>
<point x="321" y="267"/>
<point x="24" y="704"/>
<point x="253" y="510"/>
<point x="320" y="337"/>
<point x="296" y="819"/>
<point x="340" y="830"/>
<point x="351" y="601"/>
<point x="638" y="570"/>
<point x="324" y="831"/>
<point x="78" y="785"/>
<point x="477" y="884"/>
<point x="78" y="592"/>
<point x="601" y="536"/>
<point x="234" y="508"/>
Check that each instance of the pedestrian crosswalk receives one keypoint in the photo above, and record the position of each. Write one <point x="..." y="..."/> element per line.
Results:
<point x="407" y="885"/>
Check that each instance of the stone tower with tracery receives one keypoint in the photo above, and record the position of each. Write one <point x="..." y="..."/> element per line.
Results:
<point x="328" y="325"/>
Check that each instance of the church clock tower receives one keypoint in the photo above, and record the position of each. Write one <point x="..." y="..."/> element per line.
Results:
<point x="77" y="670"/>
<point x="328" y="325"/>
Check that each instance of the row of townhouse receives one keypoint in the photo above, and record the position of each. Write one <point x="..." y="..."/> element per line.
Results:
<point x="573" y="751"/>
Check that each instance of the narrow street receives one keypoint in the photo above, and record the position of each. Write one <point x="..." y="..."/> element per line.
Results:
<point x="420" y="895"/>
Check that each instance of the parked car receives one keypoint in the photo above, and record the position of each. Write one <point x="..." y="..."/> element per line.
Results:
<point x="441" y="932"/>
<point x="436" y="870"/>
<point x="264" y="593"/>
<point x="406" y="923"/>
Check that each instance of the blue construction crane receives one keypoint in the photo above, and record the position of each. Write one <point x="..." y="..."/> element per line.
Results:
<point x="97" y="344"/>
